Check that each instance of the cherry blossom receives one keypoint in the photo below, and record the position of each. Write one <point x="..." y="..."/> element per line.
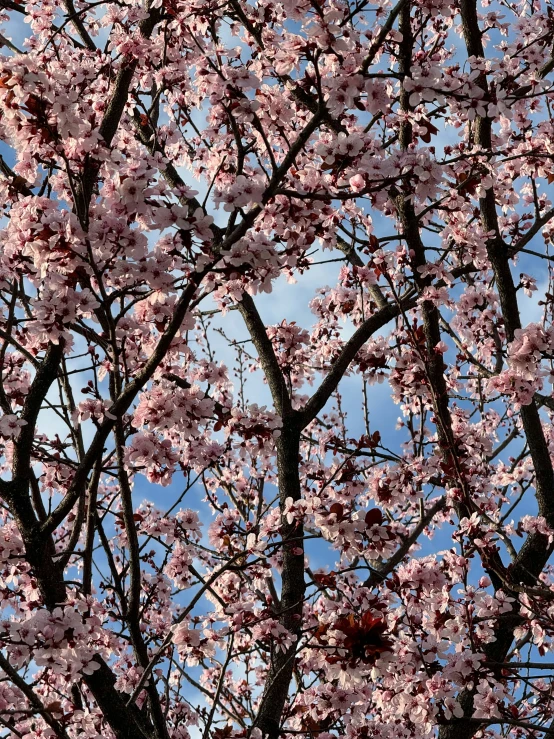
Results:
<point x="276" y="369"/>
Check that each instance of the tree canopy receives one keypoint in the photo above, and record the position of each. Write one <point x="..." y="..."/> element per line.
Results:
<point x="276" y="343"/>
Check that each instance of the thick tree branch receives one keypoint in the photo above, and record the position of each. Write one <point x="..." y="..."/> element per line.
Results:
<point x="112" y="117"/>
<point x="266" y="354"/>
<point x="270" y="712"/>
<point x="44" y="377"/>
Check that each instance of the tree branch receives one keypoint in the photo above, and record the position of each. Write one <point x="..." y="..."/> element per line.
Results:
<point x="351" y="348"/>
<point x="268" y="360"/>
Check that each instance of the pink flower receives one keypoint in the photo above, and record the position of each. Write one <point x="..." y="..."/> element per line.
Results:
<point x="357" y="182"/>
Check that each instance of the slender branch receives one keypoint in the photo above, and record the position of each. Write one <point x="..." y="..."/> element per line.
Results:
<point x="32" y="697"/>
<point x="382" y="571"/>
<point x="351" y="348"/>
<point x="122" y="404"/>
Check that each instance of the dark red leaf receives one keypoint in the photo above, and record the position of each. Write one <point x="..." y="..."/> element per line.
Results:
<point x="338" y="510"/>
<point x="374" y="517"/>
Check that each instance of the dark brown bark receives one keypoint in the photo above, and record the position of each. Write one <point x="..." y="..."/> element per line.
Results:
<point x="434" y="364"/>
<point x="40" y="551"/>
<point x="270" y="713"/>
<point x="112" y="118"/>
<point x="131" y="604"/>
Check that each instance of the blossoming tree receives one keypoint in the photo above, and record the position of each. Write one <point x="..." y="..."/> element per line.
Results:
<point x="185" y="550"/>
